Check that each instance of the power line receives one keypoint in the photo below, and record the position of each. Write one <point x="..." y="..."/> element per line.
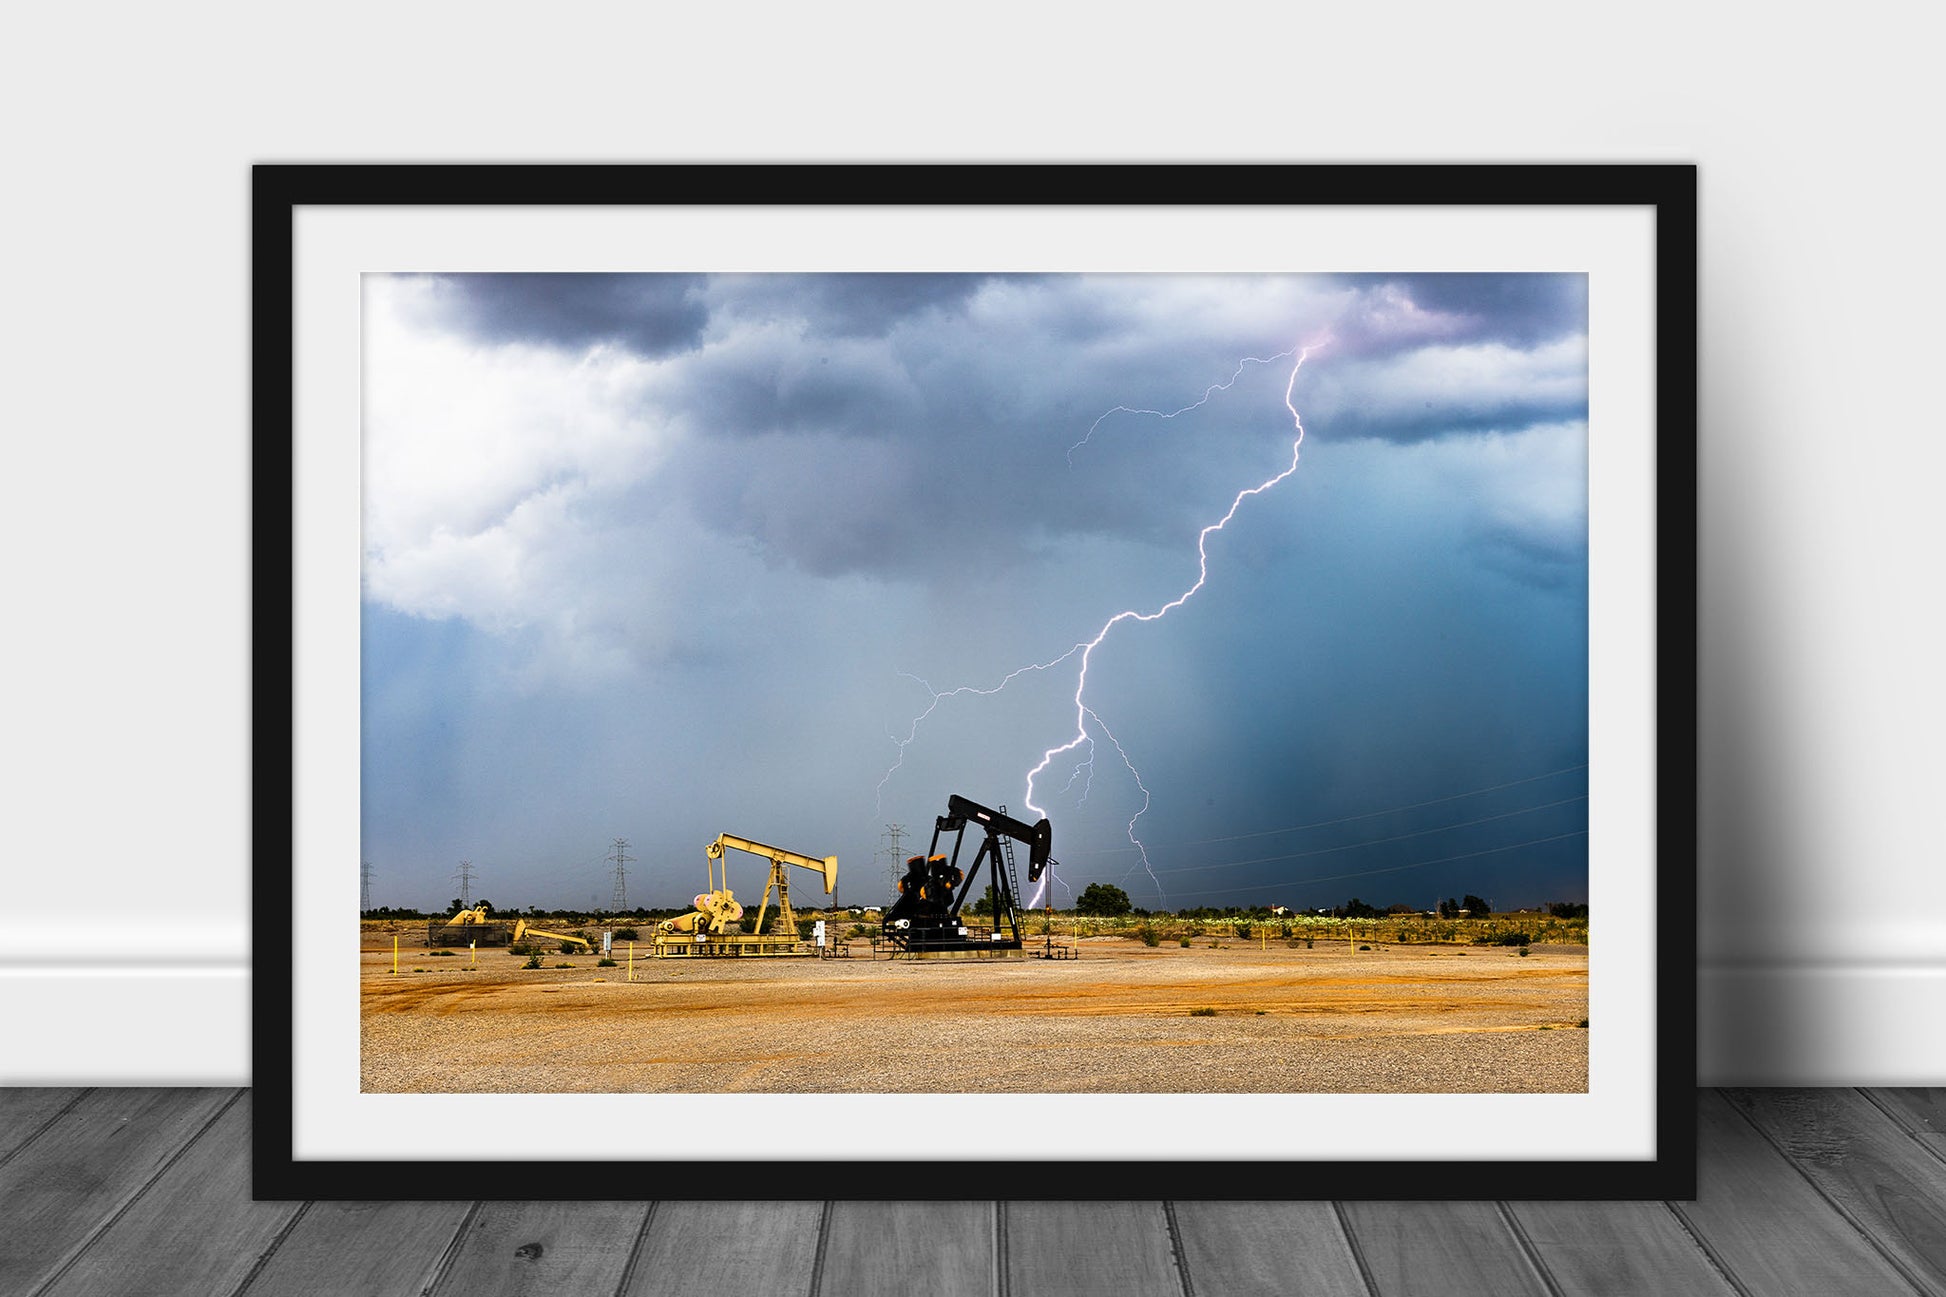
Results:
<point x="1347" y="819"/>
<point x="1393" y="869"/>
<point x="1372" y="842"/>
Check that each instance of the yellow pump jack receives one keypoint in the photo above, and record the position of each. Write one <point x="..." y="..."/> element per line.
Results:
<point x="708" y="926"/>
<point x="475" y="923"/>
<point x="521" y="930"/>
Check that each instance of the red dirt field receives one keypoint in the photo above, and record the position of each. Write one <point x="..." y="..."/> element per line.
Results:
<point x="1275" y="1017"/>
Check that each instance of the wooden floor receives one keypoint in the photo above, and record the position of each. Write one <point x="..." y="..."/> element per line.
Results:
<point x="146" y="1191"/>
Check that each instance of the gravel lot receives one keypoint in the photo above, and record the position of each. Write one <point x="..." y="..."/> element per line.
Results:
<point x="1119" y="1019"/>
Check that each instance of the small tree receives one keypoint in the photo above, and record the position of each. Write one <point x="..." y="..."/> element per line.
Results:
<point x="1479" y="907"/>
<point x="1103" y="900"/>
<point x="1449" y="908"/>
<point x="986" y="903"/>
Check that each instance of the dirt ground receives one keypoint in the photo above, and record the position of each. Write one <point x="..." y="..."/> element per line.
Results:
<point x="1120" y="1018"/>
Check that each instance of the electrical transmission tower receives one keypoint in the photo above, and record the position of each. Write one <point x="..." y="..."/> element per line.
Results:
<point x="365" y="886"/>
<point x="619" y="901"/>
<point x="464" y="877"/>
<point x="894" y="861"/>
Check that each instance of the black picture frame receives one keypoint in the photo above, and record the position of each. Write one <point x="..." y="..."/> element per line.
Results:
<point x="1668" y="191"/>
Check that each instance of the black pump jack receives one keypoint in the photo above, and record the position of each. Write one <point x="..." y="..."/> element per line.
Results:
<point x="926" y="915"/>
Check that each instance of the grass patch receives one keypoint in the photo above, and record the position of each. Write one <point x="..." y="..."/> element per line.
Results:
<point x="533" y="961"/>
<point x="1202" y="1013"/>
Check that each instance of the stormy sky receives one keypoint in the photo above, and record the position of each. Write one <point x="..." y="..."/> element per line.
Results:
<point x="659" y="557"/>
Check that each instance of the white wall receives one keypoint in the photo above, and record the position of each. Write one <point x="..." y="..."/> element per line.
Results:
<point x="125" y="489"/>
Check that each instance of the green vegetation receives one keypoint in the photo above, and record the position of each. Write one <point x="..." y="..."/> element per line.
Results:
<point x="1307" y="930"/>
<point x="1202" y="1013"/>
<point x="1103" y="900"/>
<point x="533" y="961"/>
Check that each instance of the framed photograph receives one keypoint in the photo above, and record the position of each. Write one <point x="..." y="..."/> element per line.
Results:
<point x="927" y="675"/>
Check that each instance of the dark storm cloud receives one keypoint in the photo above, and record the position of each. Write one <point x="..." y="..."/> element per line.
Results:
<point x="776" y="379"/>
<point x="1430" y="419"/>
<point x="650" y="315"/>
<point x="1437" y="391"/>
<point x="1520" y="309"/>
<point x="942" y="446"/>
<point x="920" y="426"/>
<point x="841" y="305"/>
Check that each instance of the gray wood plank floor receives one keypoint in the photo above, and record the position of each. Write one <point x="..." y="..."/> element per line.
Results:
<point x="147" y="1191"/>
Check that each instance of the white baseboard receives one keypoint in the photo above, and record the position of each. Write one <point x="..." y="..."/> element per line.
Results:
<point x="1821" y="1024"/>
<point x="161" y="1024"/>
<point x="180" y="1023"/>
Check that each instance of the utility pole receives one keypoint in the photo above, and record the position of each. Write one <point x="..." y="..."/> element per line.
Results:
<point x="619" y="901"/>
<point x="895" y="862"/>
<point x="364" y="887"/>
<point x="464" y="877"/>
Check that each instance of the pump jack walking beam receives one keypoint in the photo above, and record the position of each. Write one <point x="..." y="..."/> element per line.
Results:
<point x="779" y="876"/>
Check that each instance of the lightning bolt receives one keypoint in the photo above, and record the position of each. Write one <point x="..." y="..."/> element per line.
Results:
<point x="1208" y="392"/>
<point x="939" y="696"/>
<point x="1084" y="714"/>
